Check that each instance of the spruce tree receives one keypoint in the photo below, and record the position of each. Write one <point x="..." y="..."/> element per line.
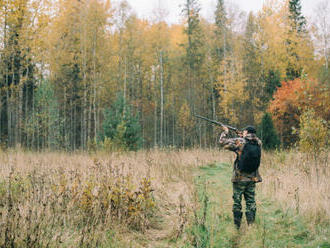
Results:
<point x="121" y="126"/>
<point x="251" y="69"/>
<point x="297" y="29"/>
<point x="267" y="133"/>
<point x="44" y="123"/>
<point x="194" y="59"/>
<point x="298" y="21"/>
<point x="194" y="55"/>
<point x="272" y="81"/>
<point x="221" y="32"/>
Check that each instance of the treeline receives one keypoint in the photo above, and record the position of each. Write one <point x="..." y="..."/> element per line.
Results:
<point x="81" y="74"/>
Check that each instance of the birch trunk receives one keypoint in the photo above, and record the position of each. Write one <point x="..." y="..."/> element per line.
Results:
<point x="161" y="100"/>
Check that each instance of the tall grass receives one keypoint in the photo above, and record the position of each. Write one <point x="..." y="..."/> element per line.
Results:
<point x="299" y="183"/>
<point x="55" y="199"/>
<point x="76" y="200"/>
<point x="292" y="205"/>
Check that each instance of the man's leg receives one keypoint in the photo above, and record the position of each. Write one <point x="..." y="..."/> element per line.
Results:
<point x="249" y="196"/>
<point x="238" y="189"/>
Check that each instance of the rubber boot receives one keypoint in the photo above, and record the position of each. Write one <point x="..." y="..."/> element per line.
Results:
<point x="250" y="217"/>
<point x="237" y="219"/>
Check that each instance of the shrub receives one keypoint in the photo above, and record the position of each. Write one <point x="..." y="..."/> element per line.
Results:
<point x="292" y="99"/>
<point x="313" y="133"/>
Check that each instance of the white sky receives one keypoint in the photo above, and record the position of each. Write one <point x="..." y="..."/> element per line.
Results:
<point x="144" y="8"/>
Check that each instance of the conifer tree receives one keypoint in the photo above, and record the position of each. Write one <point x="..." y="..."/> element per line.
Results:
<point x="122" y="126"/>
<point x="194" y="55"/>
<point x="296" y="33"/>
<point x="221" y="32"/>
<point x="298" y="21"/>
<point x="272" y="81"/>
<point x="251" y="68"/>
<point x="267" y="133"/>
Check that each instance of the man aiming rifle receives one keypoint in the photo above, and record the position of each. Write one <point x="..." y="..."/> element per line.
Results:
<point x="245" y="169"/>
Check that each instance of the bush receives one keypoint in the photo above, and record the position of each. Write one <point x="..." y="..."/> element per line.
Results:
<point x="313" y="133"/>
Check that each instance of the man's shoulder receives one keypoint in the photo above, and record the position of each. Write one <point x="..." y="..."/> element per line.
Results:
<point x="252" y="138"/>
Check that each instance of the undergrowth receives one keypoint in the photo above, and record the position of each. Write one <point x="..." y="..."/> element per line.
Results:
<point x="65" y="208"/>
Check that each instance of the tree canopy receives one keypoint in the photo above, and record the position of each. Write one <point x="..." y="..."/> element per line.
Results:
<point x="64" y="63"/>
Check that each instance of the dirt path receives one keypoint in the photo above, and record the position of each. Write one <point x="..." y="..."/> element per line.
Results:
<point x="166" y="224"/>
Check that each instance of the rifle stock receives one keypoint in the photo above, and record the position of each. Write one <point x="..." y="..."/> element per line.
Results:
<point x="217" y="123"/>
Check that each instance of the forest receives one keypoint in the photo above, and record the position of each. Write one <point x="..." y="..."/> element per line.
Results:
<point x="99" y="144"/>
<point x="91" y="74"/>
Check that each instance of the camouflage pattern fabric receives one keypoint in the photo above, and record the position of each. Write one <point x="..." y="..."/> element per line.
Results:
<point x="236" y="145"/>
<point x="248" y="190"/>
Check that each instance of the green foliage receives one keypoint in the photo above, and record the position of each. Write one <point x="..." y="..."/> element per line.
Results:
<point x="272" y="81"/>
<point x="313" y="133"/>
<point x="252" y="70"/>
<point x="194" y="33"/>
<point x="44" y="123"/>
<point x="216" y="67"/>
<point x="199" y="230"/>
<point x="295" y="15"/>
<point x="267" y="133"/>
<point x="122" y="127"/>
<point x="297" y="27"/>
<point x="220" y="32"/>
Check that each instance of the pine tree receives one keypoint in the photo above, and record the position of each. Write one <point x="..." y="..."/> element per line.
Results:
<point x="194" y="33"/>
<point x="43" y="125"/>
<point x="251" y="69"/>
<point x="194" y="59"/>
<point x="121" y="126"/>
<point x="297" y="29"/>
<point x="272" y="81"/>
<point x="194" y="55"/>
<point x="221" y="32"/>
<point x="298" y="21"/>
<point x="267" y="133"/>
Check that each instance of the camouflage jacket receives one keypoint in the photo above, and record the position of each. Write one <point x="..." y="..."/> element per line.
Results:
<point x="236" y="145"/>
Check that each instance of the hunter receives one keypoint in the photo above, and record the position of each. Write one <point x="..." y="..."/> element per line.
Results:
<point x="245" y="172"/>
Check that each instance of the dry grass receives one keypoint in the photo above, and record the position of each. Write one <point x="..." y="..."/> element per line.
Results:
<point x="78" y="200"/>
<point x="71" y="200"/>
<point x="298" y="183"/>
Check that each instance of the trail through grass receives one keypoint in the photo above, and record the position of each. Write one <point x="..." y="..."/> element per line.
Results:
<point x="213" y="225"/>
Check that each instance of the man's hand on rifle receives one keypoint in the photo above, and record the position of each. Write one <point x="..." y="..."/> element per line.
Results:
<point x="226" y="129"/>
<point x="239" y="133"/>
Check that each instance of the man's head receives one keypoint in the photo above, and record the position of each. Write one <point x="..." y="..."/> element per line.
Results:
<point x="249" y="129"/>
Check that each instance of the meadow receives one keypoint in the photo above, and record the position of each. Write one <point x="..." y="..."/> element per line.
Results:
<point x="158" y="198"/>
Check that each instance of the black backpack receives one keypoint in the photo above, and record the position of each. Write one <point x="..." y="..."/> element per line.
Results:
<point x="250" y="158"/>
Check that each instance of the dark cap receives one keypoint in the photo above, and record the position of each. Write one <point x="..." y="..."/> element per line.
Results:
<point x="250" y="129"/>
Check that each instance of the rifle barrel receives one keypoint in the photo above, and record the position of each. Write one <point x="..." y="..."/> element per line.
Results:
<point x="216" y="122"/>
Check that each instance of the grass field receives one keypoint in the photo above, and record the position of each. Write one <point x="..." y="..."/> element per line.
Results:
<point x="158" y="198"/>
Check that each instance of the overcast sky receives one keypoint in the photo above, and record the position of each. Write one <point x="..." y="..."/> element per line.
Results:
<point x="144" y="8"/>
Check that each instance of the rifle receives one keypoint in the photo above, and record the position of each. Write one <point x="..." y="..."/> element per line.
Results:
<point x="218" y="123"/>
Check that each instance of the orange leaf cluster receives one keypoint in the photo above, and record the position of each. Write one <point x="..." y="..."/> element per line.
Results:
<point x="295" y="97"/>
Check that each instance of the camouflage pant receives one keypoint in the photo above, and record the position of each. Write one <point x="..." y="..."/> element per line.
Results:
<point x="248" y="190"/>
